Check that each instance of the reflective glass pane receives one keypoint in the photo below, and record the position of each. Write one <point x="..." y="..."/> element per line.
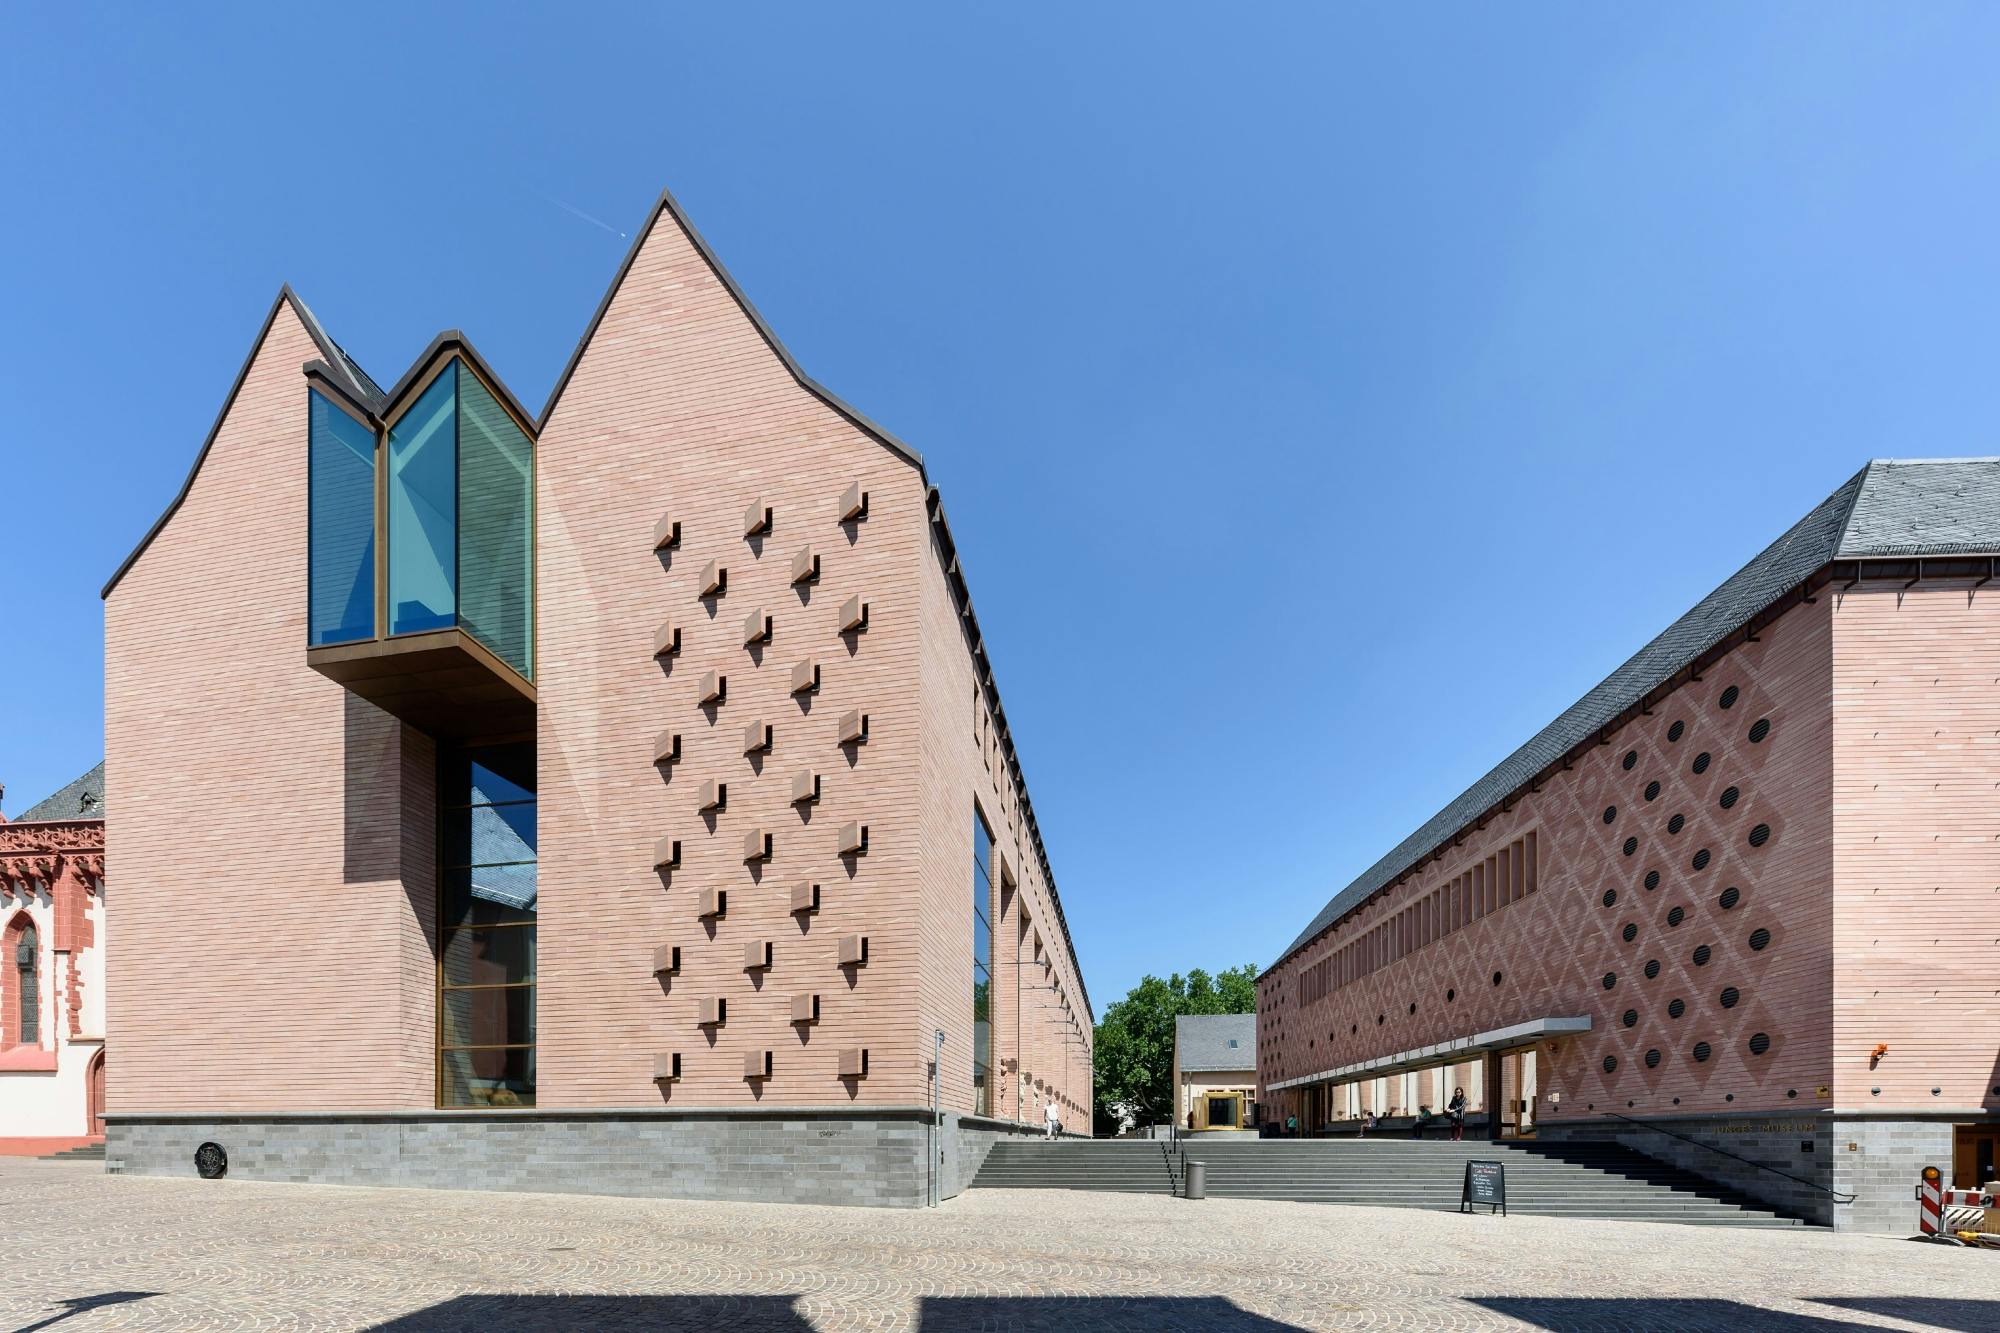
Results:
<point x="497" y="1016"/>
<point x="340" y="467"/>
<point x="487" y="1078"/>
<point x="423" y="510"/>
<point x="489" y="957"/>
<point x="982" y="940"/>
<point x="496" y="496"/>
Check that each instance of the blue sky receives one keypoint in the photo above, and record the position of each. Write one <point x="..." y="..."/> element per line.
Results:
<point x="1323" y="398"/>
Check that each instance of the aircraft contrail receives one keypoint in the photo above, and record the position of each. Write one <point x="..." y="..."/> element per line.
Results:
<point x="595" y="222"/>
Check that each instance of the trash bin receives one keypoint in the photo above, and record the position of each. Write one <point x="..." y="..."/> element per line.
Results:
<point x="1196" y="1184"/>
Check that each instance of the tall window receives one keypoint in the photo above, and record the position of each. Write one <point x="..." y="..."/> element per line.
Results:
<point x="340" y="524"/>
<point x="982" y="966"/>
<point x="28" y="977"/>
<point x="486" y="980"/>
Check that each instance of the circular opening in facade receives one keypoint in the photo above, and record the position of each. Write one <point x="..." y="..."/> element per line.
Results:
<point x="1676" y="731"/>
<point x="1610" y="1063"/>
<point x="1729" y="997"/>
<point x="1610" y="980"/>
<point x="1760" y="1042"/>
<point x="1759" y="730"/>
<point x="1631" y="932"/>
<point x="1701" y="954"/>
<point x="1700" y="861"/>
<point x="1759" y="938"/>
<point x="1676" y="1007"/>
<point x="1652" y="1059"/>
<point x="1728" y="699"/>
<point x="1760" y="835"/>
<point x="1631" y="846"/>
<point x="1675" y="917"/>
<point x="1497" y="976"/>
<point x="1630" y="1018"/>
<point x="1729" y="795"/>
<point x="1413" y="1006"/>
<point x="1677" y="823"/>
<point x="1701" y="762"/>
<point x="1450" y="995"/>
<point x="1610" y="813"/>
<point x="1652" y="879"/>
<point x="1631" y="758"/>
<point x="1791" y="1092"/>
<point x="1652" y="791"/>
<point x="1652" y="968"/>
<point x="1381" y="1019"/>
<point x="1610" y="897"/>
<point x="1730" y="897"/>
<point x="1701" y="1052"/>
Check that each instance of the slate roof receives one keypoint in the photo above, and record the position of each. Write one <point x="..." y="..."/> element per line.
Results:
<point x="1201" y="1041"/>
<point x="1892" y="508"/>
<point x="81" y="799"/>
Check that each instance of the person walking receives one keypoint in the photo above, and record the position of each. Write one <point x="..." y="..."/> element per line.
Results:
<point x="1457" y="1109"/>
<point x="1052" y="1116"/>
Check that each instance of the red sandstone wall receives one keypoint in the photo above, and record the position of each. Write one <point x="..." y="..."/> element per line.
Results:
<point x="1916" y="745"/>
<point x="271" y="917"/>
<point x="679" y="406"/>
<point x="1554" y="949"/>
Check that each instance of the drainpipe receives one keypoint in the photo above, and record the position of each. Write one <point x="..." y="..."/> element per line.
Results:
<point x="937" y="1120"/>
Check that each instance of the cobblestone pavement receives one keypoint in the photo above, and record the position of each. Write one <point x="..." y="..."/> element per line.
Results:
<point x="85" y="1252"/>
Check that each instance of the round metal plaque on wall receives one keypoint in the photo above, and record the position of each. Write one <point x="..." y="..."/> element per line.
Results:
<point x="210" y="1161"/>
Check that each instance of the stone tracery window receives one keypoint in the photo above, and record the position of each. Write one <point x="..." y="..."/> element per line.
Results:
<point x="23" y="959"/>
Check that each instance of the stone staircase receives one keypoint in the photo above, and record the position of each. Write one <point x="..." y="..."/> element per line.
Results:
<point x="89" y="1152"/>
<point x="1585" y="1180"/>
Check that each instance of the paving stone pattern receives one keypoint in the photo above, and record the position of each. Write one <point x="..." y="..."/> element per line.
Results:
<point x="92" y="1252"/>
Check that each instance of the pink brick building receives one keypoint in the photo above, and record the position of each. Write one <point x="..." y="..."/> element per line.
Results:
<point x="1737" y="907"/>
<point x="620" y="796"/>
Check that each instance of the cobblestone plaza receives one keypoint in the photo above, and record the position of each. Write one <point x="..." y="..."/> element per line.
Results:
<point x="90" y="1252"/>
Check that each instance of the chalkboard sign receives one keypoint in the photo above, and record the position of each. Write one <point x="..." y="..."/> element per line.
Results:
<point x="1485" y="1182"/>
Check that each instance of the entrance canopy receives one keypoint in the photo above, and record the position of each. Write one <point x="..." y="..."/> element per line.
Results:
<point x="1444" y="1052"/>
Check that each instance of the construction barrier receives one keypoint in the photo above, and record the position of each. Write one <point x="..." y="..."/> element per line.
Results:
<point x="1937" y="1203"/>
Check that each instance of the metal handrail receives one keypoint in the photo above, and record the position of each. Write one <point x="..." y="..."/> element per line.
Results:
<point x="1836" y="1195"/>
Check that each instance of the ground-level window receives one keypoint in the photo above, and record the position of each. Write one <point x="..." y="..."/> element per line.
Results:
<point x="486" y="976"/>
<point x="982" y="966"/>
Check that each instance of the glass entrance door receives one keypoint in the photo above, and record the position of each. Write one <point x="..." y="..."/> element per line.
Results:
<point x="1516" y="1103"/>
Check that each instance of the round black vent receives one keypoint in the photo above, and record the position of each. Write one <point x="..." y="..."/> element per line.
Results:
<point x="1413" y="1006"/>
<point x="1675" y="917"/>
<point x="1759" y="730"/>
<point x="1728" y="699"/>
<point x="1652" y="879"/>
<point x="1675" y="1008"/>
<point x="1701" y="1052"/>
<point x="1730" y="897"/>
<point x="1729" y="997"/>
<point x="1729" y="795"/>
<point x="210" y="1161"/>
<point x="1652" y="791"/>
<point x="1630" y="1018"/>
<point x="1759" y="938"/>
<point x="1631" y="758"/>
<point x="1497" y="976"/>
<point x="1631" y="846"/>
<point x="1760" y="835"/>
<point x="1450" y="995"/>
<point x="1701" y="762"/>
<point x="1610" y="813"/>
<point x="1677" y="823"/>
<point x="1652" y="968"/>
<point x="1610" y="980"/>
<point x="1631" y="932"/>
<point x="1380" y="1019"/>
<point x="1652" y="1059"/>
<point x="1701" y="955"/>
<point x="1760" y="1042"/>
<point x="1610" y="1063"/>
<point x="1700" y="861"/>
<point x="1610" y="897"/>
<point x="1676" y="731"/>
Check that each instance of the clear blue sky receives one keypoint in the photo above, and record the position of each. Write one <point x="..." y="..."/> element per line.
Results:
<point x="1323" y="400"/>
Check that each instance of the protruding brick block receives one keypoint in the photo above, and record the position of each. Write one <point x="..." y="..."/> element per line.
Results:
<point x="805" y="566"/>
<point x="714" y="796"/>
<point x="666" y="1066"/>
<point x="667" y="640"/>
<point x="666" y="853"/>
<point x="805" y="897"/>
<point x="854" y="1062"/>
<point x="853" y="950"/>
<point x="714" y="688"/>
<point x="757" y="628"/>
<point x="713" y="1011"/>
<point x="666" y="959"/>
<point x="756" y="1064"/>
<point x="805" y="788"/>
<point x="667" y="747"/>
<point x="756" y="955"/>
<point x="805" y="677"/>
<point x="853" y="838"/>
<point x="758" y="737"/>
<point x="805" y="1007"/>
<point x="714" y="579"/>
<point x="757" y="846"/>
<point x="853" y="615"/>
<point x="853" y="503"/>
<point x="713" y="903"/>
<point x="853" y="727"/>
<point x="756" y="519"/>
<point x="666" y="533"/>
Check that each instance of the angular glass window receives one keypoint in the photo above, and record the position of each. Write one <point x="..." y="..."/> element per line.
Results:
<point x="496" y="516"/>
<point x="423" y="510"/>
<point x="340" y="535"/>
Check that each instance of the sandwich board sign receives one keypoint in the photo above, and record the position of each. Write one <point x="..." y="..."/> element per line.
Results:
<point x="1485" y="1182"/>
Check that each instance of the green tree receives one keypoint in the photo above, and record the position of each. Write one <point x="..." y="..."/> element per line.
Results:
<point x="1135" y="1039"/>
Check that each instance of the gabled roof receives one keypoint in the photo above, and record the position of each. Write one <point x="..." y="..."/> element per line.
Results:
<point x="1202" y="1041"/>
<point x="1892" y="508"/>
<point x="81" y="799"/>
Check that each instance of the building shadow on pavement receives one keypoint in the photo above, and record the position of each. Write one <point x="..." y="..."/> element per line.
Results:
<point x="76" y="1305"/>
<point x="778" y="1314"/>
<point x="1640" y="1314"/>
<point x="1963" y="1315"/>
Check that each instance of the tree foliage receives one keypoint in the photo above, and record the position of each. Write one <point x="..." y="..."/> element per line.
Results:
<point x="1135" y="1039"/>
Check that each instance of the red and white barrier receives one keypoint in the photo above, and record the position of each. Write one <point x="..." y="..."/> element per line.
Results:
<point x="1933" y="1198"/>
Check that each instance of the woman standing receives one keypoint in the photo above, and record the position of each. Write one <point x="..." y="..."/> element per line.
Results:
<point x="1457" y="1109"/>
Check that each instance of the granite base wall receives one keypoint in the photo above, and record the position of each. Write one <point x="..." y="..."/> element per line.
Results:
<point x="1875" y="1160"/>
<point x="873" y="1160"/>
<point x="968" y="1139"/>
